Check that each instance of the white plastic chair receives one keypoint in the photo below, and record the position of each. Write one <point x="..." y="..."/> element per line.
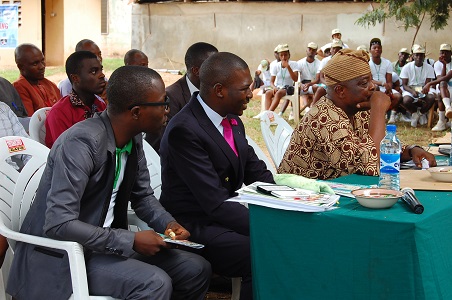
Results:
<point x="17" y="192"/>
<point x="155" y="169"/>
<point x="276" y="140"/>
<point x="37" y="129"/>
<point x="261" y="155"/>
<point x="294" y="99"/>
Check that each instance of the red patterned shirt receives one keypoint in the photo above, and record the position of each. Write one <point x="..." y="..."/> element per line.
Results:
<point x="327" y="144"/>
<point x="66" y="112"/>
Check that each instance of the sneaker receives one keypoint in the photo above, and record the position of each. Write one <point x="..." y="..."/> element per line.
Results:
<point x="440" y="126"/>
<point x="405" y="118"/>
<point x="392" y="119"/>
<point x="449" y="113"/>
<point x="423" y="119"/>
<point x="415" y="118"/>
<point x="291" y="116"/>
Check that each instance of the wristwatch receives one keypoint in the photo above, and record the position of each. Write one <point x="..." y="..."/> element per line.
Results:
<point x="410" y="147"/>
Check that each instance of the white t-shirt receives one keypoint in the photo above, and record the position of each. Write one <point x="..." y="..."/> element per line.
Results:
<point x="379" y="71"/>
<point x="417" y="75"/>
<point x="265" y="75"/>
<point x="323" y="63"/>
<point x="307" y="70"/>
<point x="438" y="66"/>
<point x="282" y="74"/>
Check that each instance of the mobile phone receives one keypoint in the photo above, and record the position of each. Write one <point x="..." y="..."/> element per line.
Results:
<point x="269" y="188"/>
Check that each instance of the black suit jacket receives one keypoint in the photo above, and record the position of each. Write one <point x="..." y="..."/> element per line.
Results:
<point x="200" y="171"/>
<point x="179" y="95"/>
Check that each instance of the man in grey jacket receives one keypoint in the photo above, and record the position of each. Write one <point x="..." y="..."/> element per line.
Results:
<point x="94" y="169"/>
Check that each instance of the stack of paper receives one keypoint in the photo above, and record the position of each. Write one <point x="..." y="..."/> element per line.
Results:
<point x="298" y="200"/>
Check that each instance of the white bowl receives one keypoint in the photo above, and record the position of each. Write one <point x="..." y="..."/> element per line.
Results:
<point x="441" y="173"/>
<point x="377" y="198"/>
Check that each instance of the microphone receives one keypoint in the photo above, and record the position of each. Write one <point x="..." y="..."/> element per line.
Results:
<point x="410" y="198"/>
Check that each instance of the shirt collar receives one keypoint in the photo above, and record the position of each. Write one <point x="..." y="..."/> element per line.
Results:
<point x="211" y="114"/>
<point x="191" y="86"/>
<point x="127" y="148"/>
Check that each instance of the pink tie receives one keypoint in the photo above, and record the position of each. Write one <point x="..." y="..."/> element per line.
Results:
<point x="227" y="133"/>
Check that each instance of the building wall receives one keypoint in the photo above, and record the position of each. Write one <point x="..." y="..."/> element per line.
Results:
<point x="252" y="29"/>
<point x="54" y="32"/>
<point x="28" y="32"/>
<point x="118" y="40"/>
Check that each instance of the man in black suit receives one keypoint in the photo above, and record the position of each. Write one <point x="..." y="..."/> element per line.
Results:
<point x="200" y="169"/>
<point x="180" y="92"/>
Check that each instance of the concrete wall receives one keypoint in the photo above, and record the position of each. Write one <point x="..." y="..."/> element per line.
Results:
<point x="118" y="40"/>
<point x="253" y="29"/>
<point x="29" y="31"/>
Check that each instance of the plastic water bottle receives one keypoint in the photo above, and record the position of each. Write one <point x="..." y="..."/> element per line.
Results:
<point x="390" y="148"/>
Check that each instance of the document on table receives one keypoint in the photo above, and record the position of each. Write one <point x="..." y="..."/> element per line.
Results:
<point x="345" y="189"/>
<point x="298" y="200"/>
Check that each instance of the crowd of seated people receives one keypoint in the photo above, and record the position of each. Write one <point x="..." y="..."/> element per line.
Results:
<point x="96" y="151"/>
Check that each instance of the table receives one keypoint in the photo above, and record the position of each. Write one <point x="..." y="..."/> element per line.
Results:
<point x="354" y="252"/>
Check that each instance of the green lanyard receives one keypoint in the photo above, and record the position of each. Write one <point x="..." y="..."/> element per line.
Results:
<point x="119" y="151"/>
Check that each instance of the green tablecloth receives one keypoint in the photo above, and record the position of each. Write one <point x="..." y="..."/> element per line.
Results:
<point x="354" y="252"/>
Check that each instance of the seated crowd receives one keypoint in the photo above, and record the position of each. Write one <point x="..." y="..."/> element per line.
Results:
<point x="97" y="166"/>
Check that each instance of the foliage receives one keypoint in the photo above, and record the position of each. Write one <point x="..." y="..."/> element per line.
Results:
<point x="410" y="12"/>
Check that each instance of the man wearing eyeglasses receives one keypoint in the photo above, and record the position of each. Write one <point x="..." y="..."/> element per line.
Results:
<point x="205" y="158"/>
<point x="94" y="169"/>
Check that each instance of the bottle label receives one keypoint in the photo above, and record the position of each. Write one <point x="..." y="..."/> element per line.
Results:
<point x="390" y="163"/>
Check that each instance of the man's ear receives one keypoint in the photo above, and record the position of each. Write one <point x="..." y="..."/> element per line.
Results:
<point x="218" y="88"/>
<point x="74" y="78"/>
<point x="340" y="90"/>
<point x="195" y="71"/>
<point x="135" y="112"/>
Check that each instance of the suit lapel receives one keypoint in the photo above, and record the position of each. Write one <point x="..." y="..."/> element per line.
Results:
<point x="212" y="131"/>
<point x="185" y="90"/>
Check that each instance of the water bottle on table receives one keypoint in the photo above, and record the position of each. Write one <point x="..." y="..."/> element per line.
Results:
<point x="390" y="149"/>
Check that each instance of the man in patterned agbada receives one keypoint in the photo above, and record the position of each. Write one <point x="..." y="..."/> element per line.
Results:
<point x="341" y="133"/>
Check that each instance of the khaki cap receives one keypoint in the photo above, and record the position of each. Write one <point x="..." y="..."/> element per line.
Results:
<point x="445" y="47"/>
<point x="312" y="45"/>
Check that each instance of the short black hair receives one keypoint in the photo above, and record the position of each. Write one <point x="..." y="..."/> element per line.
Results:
<point x="74" y="62"/>
<point x="197" y="53"/>
<point x="19" y="51"/>
<point x="80" y="44"/>
<point x="220" y="68"/>
<point x="127" y="85"/>
<point x="129" y="56"/>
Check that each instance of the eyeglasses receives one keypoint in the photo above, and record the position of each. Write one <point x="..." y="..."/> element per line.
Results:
<point x="166" y="104"/>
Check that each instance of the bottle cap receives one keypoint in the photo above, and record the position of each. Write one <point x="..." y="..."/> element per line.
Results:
<point x="391" y="127"/>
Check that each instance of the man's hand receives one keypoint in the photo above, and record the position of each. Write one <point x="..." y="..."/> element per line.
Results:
<point x="417" y="154"/>
<point x="284" y="63"/>
<point x="426" y="89"/>
<point x="180" y="232"/>
<point x="148" y="242"/>
<point x="378" y="100"/>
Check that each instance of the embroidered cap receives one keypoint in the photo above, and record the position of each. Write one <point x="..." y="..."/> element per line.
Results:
<point x="313" y="45"/>
<point x="445" y="47"/>
<point x="337" y="43"/>
<point x="404" y="50"/>
<point x="346" y="65"/>
<point x="335" y="31"/>
<point x="418" y="49"/>
<point x="282" y="48"/>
